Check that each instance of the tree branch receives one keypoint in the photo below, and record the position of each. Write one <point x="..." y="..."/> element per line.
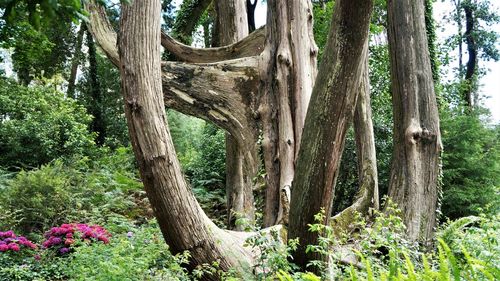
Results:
<point x="251" y="45"/>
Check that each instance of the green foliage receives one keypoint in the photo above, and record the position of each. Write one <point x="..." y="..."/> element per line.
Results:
<point x="38" y="124"/>
<point x="138" y="254"/>
<point x="84" y="191"/>
<point x="471" y="172"/>
<point x="110" y="107"/>
<point x="38" y="52"/>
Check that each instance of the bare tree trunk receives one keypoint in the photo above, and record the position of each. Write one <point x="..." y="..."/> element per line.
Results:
<point x="331" y="110"/>
<point x="75" y="62"/>
<point x="470" y="73"/>
<point x="231" y="14"/>
<point x="289" y="62"/>
<point x="417" y="140"/>
<point x="251" y="14"/>
<point x="183" y="223"/>
<point x="367" y="196"/>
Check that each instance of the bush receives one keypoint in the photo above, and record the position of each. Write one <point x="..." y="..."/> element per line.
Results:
<point x="64" y="238"/>
<point x="39" y="124"/>
<point x="471" y="164"/>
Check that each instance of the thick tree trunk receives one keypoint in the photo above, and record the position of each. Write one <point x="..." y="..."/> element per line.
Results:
<point x="288" y="77"/>
<point x="231" y="14"/>
<point x="183" y="223"/>
<point x="367" y="196"/>
<point x="331" y="110"/>
<point x="417" y="141"/>
<point x="75" y="62"/>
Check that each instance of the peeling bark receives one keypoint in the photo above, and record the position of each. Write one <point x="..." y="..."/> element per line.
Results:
<point x="417" y="140"/>
<point x="182" y="221"/>
<point x="289" y="62"/>
<point x="332" y="105"/>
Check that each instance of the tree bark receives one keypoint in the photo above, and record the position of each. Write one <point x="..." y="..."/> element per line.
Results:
<point x="288" y="73"/>
<point x="367" y="196"/>
<point x="240" y="172"/>
<point x="182" y="221"/>
<point x="75" y="62"/>
<point x="471" y="66"/>
<point x="417" y="141"/>
<point x="332" y="105"/>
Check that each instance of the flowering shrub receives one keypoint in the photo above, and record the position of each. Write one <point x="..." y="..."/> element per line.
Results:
<point x="64" y="237"/>
<point x="10" y="242"/>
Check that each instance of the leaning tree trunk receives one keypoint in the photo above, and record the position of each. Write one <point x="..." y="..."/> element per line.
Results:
<point x="240" y="170"/>
<point x="328" y="118"/>
<point x="288" y="74"/>
<point x="182" y="221"/>
<point x="417" y="141"/>
<point x="367" y="196"/>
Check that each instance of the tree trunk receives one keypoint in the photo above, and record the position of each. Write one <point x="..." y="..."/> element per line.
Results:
<point x="240" y="172"/>
<point x="95" y="105"/>
<point x="251" y="14"/>
<point x="288" y="73"/>
<point x="470" y="73"/>
<point x="417" y="141"/>
<point x="332" y="105"/>
<point x="77" y="56"/>
<point x="367" y="196"/>
<point x="182" y="221"/>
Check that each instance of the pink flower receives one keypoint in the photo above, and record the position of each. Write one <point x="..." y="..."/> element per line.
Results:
<point x="4" y="248"/>
<point x="69" y="241"/>
<point x="14" y="247"/>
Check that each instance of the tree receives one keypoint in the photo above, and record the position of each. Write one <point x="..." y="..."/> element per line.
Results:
<point x="480" y="40"/>
<point x="277" y="73"/>
<point x="417" y="140"/>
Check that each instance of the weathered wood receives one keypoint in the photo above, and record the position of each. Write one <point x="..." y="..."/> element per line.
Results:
<point x="231" y="14"/>
<point x="288" y="73"/>
<point x="417" y="140"/>
<point x="182" y="221"/>
<point x="251" y="45"/>
<point x="328" y="118"/>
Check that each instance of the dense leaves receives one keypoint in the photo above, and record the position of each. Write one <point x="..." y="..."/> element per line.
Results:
<point x="38" y="124"/>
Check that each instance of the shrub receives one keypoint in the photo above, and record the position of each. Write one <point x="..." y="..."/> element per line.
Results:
<point x="64" y="238"/>
<point x="9" y="241"/>
<point x="39" y="124"/>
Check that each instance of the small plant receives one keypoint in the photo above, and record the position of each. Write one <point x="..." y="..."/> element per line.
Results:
<point x="63" y="238"/>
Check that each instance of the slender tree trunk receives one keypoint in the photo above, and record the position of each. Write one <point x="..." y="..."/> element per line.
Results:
<point x="417" y="141"/>
<point x="231" y="14"/>
<point x="95" y="105"/>
<point x="367" y="196"/>
<point x="331" y="110"/>
<point x="251" y="14"/>
<point x="77" y="56"/>
<point x="289" y="70"/>
<point x="182" y="221"/>
<point x="470" y="73"/>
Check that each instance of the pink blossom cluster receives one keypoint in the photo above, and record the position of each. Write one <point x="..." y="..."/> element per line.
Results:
<point x="9" y="241"/>
<point x="63" y="237"/>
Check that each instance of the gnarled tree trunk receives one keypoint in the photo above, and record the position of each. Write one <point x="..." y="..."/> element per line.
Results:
<point x="288" y="74"/>
<point x="183" y="223"/>
<point x="417" y="140"/>
<point x="328" y="118"/>
<point x="240" y="171"/>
